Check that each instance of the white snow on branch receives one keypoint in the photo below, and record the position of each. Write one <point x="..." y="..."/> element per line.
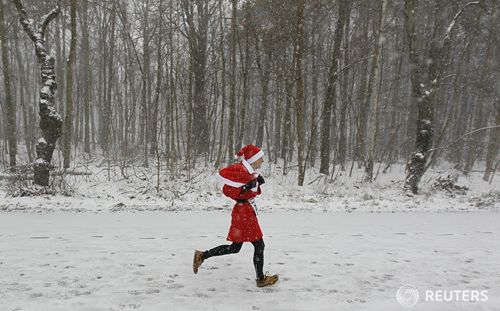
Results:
<point x="453" y="21"/>
<point x="40" y="161"/>
<point x="39" y="45"/>
<point x="419" y="155"/>
<point x="45" y="90"/>
<point x="42" y="141"/>
<point x="53" y="114"/>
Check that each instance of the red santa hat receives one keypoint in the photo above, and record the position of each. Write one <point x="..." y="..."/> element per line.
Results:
<point x="251" y="153"/>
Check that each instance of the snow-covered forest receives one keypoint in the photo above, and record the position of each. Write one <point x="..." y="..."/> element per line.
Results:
<point x="187" y="83"/>
<point x="386" y="106"/>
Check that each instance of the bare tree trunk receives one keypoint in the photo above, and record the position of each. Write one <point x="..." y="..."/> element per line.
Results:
<point x="330" y="97"/>
<point x="474" y="143"/>
<point x="68" y="121"/>
<point x="220" y="153"/>
<point x="197" y="37"/>
<point x="313" y="138"/>
<point x="299" y="89"/>
<point x="359" y="147"/>
<point x="372" y="122"/>
<point x="493" y="145"/>
<point x="50" y="120"/>
<point x="425" y="115"/>
<point x="24" y="94"/>
<point x="86" y="74"/>
<point x="232" y="82"/>
<point x="107" y="111"/>
<point x="10" y="105"/>
<point x="423" y="91"/>
<point x="494" y="136"/>
<point x="279" y="112"/>
<point x="346" y="98"/>
<point x="60" y="41"/>
<point x="287" y="123"/>
<point x="264" y="74"/>
<point x="245" y="71"/>
<point x="155" y="139"/>
<point x="145" y="95"/>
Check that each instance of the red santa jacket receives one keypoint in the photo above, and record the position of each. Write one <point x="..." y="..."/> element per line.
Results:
<point x="244" y="224"/>
<point x="237" y="175"/>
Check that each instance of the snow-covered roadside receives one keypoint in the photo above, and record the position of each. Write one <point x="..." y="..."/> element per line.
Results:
<point x="334" y="261"/>
<point x="96" y="193"/>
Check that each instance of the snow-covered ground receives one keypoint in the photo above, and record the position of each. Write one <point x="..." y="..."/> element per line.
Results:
<point x="135" y="189"/>
<point x="338" y="243"/>
<point x="326" y="261"/>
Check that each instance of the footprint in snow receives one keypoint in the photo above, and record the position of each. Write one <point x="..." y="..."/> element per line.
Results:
<point x="174" y="286"/>
<point x="79" y="293"/>
<point x="151" y="291"/>
<point x="356" y="300"/>
<point x="131" y="306"/>
<point x="36" y="295"/>
<point x="388" y="277"/>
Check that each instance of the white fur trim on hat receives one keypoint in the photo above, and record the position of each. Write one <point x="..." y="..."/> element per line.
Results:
<point x="256" y="156"/>
<point x="248" y="166"/>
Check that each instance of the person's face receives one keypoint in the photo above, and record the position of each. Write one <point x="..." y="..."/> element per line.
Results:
<point x="257" y="164"/>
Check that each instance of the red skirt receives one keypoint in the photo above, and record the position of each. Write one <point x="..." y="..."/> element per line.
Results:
<point x="244" y="224"/>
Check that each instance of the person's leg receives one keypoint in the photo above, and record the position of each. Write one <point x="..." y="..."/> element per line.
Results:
<point x="223" y="250"/>
<point x="258" y="258"/>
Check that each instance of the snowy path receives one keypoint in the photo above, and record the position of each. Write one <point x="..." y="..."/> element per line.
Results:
<point x="327" y="261"/>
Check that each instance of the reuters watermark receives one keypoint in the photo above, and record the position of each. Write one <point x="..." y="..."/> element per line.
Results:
<point x="408" y="295"/>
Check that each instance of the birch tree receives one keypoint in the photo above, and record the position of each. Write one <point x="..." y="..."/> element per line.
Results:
<point x="50" y="120"/>
<point x="68" y="121"/>
<point x="372" y="122"/>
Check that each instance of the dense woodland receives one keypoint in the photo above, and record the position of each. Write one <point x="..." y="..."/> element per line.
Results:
<point x="325" y="84"/>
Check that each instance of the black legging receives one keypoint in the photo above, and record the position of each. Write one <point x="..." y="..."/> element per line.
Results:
<point x="258" y="255"/>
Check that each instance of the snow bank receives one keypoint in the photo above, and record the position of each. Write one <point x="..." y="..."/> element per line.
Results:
<point x="108" y="189"/>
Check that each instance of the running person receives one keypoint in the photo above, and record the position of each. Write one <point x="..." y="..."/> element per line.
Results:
<point x="242" y="184"/>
